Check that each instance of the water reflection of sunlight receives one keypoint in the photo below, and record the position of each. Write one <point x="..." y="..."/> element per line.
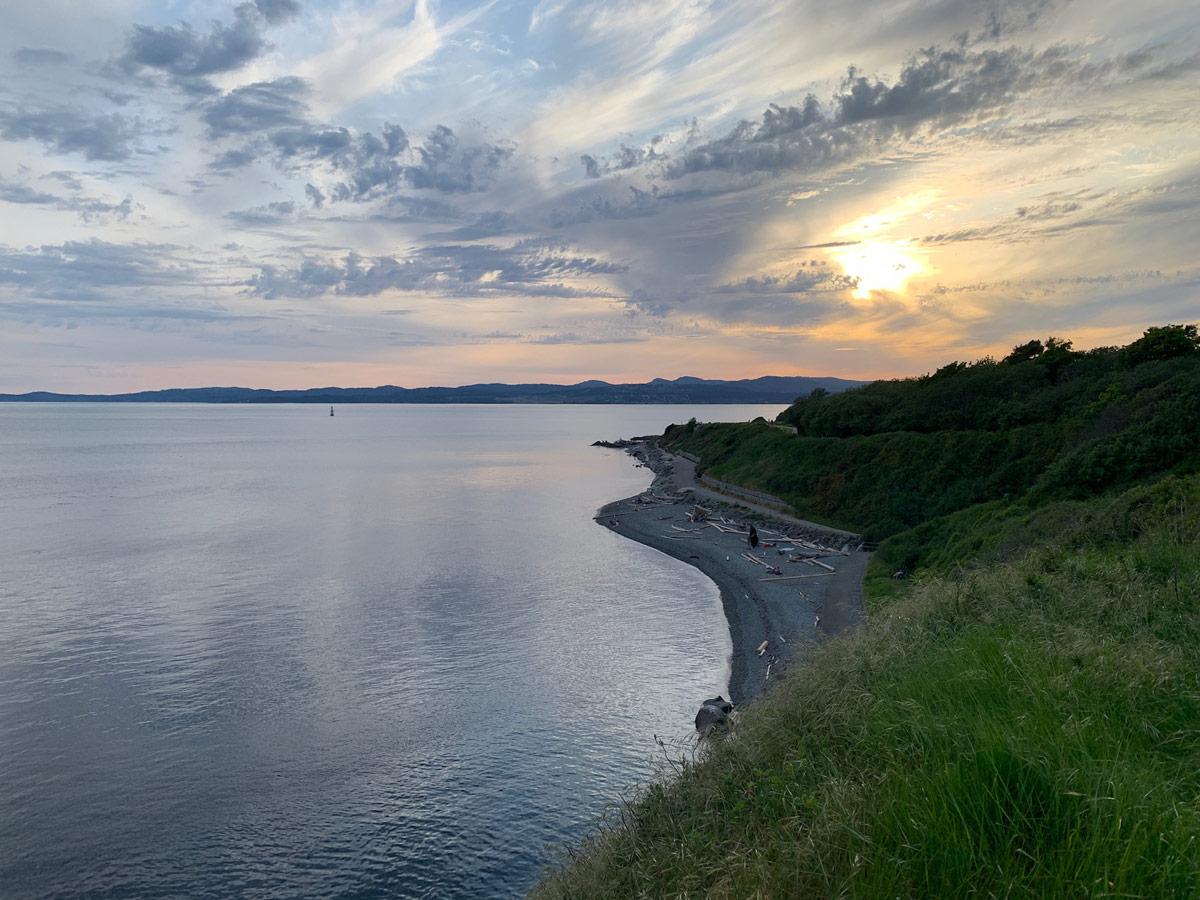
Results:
<point x="878" y="267"/>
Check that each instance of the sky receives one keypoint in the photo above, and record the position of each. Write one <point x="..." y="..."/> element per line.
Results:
<point x="299" y="193"/>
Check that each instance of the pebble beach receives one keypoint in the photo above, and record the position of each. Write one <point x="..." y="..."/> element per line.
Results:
<point x="803" y="581"/>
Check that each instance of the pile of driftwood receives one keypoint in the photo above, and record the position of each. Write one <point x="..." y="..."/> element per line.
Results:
<point x="794" y="550"/>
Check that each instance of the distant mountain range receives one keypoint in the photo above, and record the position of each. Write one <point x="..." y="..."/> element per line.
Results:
<point x="768" y="389"/>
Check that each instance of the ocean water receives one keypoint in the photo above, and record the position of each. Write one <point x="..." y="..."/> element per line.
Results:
<point x="257" y="651"/>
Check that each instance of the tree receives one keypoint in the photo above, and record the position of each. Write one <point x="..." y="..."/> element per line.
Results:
<point x="1024" y="352"/>
<point x="1166" y="342"/>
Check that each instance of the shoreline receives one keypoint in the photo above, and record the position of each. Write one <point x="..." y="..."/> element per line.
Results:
<point x="813" y="599"/>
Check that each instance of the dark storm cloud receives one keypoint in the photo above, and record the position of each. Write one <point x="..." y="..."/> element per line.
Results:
<point x="188" y="55"/>
<point x="98" y="137"/>
<point x="529" y="268"/>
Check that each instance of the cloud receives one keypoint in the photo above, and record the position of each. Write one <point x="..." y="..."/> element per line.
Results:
<point x="626" y="157"/>
<point x="20" y="193"/>
<point x="268" y="214"/>
<point x="88" y="209"/>
<point x="632" y="203"/>
<point x="255" y="108"/>
<point x="82" y="270"/>
<point x="189" y="55"/>
<point x="1155" y="205"/>
<point x="40" y="56"/>
<point x="529" y="268"/>
<point x="358" y="166"/>
<point x="277" y="11"/>
<point x="938" y="89"/>
<point x="488" y="224"/>
<point x="237" y="158"/>
<point x="815" y="276"/>
<point x="97" y="137"/>
<point x="573" y="337"/>
<point x="1004" y="18"/>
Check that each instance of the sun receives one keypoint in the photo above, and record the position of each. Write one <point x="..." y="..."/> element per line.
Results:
<point x="878" y="267"/>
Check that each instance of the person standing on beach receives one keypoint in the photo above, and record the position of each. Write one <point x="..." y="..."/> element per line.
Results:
<point x="752" y="540"/>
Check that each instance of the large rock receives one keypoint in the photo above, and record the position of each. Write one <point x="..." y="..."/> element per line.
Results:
<point x="713" y="714"/>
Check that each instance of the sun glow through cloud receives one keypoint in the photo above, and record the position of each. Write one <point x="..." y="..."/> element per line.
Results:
<point x="878" y="267"/>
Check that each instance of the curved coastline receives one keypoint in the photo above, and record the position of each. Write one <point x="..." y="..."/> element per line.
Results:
<point x="809" y="602"/>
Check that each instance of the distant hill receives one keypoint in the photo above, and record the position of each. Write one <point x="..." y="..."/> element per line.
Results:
<point x="768" y="389"/>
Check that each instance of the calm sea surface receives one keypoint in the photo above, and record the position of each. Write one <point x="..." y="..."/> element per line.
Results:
<point x="256" y="651"/>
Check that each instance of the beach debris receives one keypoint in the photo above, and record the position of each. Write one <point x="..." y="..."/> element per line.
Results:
<point x="816" y="621"/>
<point x="699" y="514"/>
<point x="762" y="648"/>
<point x="797" y="577"/>
<point x="762" y="562"/>
<point x="713" y="715"/>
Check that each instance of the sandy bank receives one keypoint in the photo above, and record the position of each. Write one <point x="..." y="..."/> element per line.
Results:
<point x="788" y="615"/>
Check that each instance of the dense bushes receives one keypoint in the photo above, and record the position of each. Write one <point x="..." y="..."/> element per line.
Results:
<point x="1047" y="423"/>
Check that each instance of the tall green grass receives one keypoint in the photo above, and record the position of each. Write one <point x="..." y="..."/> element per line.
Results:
<point x="1029" y="728"/>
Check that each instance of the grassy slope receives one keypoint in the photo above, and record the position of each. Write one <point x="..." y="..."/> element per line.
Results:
<point x="1022" y="718"/>
<point x="1029" y="729"/>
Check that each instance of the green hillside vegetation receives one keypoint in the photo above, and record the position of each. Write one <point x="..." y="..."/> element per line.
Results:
<point x="973" y="447"/>
<point x="1024" y="719"/>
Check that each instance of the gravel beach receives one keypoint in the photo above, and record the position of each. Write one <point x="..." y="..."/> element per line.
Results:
<point x="771" y="622"/>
